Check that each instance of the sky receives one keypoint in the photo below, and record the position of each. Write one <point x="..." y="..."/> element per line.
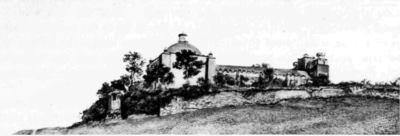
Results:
<point x="55" y="54"/>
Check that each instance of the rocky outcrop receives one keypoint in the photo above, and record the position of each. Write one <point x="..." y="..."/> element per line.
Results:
<point x="178" y="105"/>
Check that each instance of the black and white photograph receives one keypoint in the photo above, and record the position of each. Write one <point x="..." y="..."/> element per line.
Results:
<point x="209" y="67"/>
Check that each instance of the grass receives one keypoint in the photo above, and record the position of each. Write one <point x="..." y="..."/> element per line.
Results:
<point x="337" y="115"/>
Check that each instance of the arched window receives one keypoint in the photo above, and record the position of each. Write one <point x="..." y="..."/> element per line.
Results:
<point x="114" y="97"/>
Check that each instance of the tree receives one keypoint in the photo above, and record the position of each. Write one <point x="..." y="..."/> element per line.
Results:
<point x="219" y="79"/>
<point x="395" y="82"/>
<point x="104" y="90"/>
<point x="266" y="78"/>
<point x="186" y="61"/>
<point x="201" y="81"/>
<point x="96" y="112"/>
<point x="118" y="84"/>
<point x="365" y="82"/>
<point x="158" y="72"/>
<point x="126" y="81"/>
<point x="205" y="85"/>
<point x="242" y="80"/>
<point x="262" y="65"/>
<point x="134" y="66"/>
<point x="277" y="82"/>
<point x="348" y="83"/>
<point x="268" y="73"/>
<point x="265" y="65"/>
<point x="258" y="82"/>
<point x="229" y="79"/>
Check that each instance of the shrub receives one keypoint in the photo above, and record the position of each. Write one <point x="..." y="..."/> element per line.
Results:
<point x="192" y="92"/>
<point x="277" y="83"/>
<point x="243" y="80"/>
<point x="140" y="102"/>
<point x="158" y="72"/>
<point x="229" y="79"/>
<point x="96" y="112"/>
<point x="206" y="85"/>
<point x="219" y="79"/>
<point x="187" y="92"/>
<point x="186" y="60"/>
<point x="322" y="80"/>
<point x="266" y="78"/>
<point x="104" y="90"/>
<point x="348" y="83"/>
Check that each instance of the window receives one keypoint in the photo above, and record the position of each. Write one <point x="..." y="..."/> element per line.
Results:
<point x="114" y="97"/>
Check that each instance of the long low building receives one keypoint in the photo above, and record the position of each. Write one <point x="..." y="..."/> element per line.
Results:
<point x="305" y="68"/>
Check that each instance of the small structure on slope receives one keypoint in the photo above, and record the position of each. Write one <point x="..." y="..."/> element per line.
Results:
<point x="114" y="104"/>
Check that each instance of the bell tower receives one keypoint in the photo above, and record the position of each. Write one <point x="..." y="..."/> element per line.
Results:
<point x="321" y="67"/>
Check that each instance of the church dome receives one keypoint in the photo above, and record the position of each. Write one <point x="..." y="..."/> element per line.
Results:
<point x="177" y="47"/>
<point x="182" y="45"/>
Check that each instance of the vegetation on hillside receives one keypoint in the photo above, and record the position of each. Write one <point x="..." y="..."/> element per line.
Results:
<point x="186" y="60"/>
<point x="127" y="83"/>
<point x="322" y="80"/>
<point x="134" y="65"/>
<point x="336" y="115"/>
<point x="158" y="74"/>
<point x="149" y="95"/>
<point x="266" y="78"/>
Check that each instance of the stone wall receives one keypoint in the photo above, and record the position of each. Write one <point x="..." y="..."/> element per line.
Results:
<point x="178" y="105"/>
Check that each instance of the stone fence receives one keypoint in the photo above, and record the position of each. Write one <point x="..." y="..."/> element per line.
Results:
<point x="178" y="105"/>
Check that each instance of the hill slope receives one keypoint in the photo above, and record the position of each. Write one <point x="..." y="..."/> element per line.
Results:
<point x="338" y="115"/>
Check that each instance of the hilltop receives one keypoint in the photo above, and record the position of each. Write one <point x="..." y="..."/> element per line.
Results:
<point x="335" y="115"/>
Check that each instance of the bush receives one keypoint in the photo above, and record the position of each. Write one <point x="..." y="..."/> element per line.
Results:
<point x="349" y="83"/>
<point x="159" y="73"/>
<point x="222" y="79"/>
<point x="229" y="79"/>
<point x="140" y="102"/>
<point x="205" y="84"/>
<point x="189" y="92"/>
<point x="150" y="102"/>
<point x="243" y="80"/>
<point x="277" y="83"/>
<point x="96" y="112"/>
<point x="219" y="79"/>
<point x="322" y="80"/>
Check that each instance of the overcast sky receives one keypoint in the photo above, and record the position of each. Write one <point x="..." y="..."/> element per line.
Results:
<point x="54" y="55"/>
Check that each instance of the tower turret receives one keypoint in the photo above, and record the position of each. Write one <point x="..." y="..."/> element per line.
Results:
<point x="320" y="66"/>
<point x="321" y="55"/>
<point x="182" y="37"/>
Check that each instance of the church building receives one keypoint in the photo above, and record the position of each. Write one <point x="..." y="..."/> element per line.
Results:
<point x="304" y="70"/>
